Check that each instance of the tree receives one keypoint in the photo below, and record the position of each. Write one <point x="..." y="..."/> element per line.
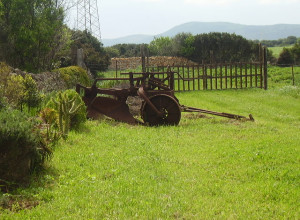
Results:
<point x="161" y="46"/>
<point x="30" y="32"/>
<point x="285" y="57"/>
<point x="295" y="50"/>
<point x="112" y="52"/>
<point x="183" y="44"/>
<point x="125" y="50"/>
<point x="95" y="56"/>
<point x="222" y="47"/>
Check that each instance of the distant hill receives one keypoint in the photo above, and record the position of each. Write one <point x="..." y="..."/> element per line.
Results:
<point x="131" y="39"/>
<point x="251" y="32"/>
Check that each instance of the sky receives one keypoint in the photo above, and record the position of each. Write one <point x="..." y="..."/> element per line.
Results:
<point x="120" y="18"/>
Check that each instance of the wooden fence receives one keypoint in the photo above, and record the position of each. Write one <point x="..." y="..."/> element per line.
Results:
<point x="217" y="76"/>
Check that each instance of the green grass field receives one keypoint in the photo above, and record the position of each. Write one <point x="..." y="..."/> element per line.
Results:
<point x="277" y="50"/>
<point x="205" y="168"/>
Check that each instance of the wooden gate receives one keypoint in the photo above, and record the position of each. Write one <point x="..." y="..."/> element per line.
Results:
<point x="217" y="76"/>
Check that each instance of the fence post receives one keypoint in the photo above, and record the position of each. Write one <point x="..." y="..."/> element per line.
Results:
<point x="293" y="75"/>
<point x="116" y="68"/>
<point x="143" y="58"/>
<point x="265" y="69"/>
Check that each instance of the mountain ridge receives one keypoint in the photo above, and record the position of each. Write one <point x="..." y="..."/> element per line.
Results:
<point x="250" y="32"/>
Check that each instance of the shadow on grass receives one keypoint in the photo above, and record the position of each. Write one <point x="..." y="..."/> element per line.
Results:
<point x="17" y="197"/>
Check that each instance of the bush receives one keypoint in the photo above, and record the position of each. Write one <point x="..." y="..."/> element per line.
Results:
<point x="77" y="117"/>
<point x="50" y="119"/>
<point x="285" y="58"/>
<point x="73" y="75"/>
<point x="4" y="75"/>
<point x="2" y="103"/>
<point x="22" y="149"/>
<point x="80" y="116"/>
<point x="31" y="97"/>
<point x="14" y="92"/>
<point x="18" y="90"/>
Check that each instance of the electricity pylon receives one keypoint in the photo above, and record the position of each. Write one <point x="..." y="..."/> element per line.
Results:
<point x="88" y="17"/>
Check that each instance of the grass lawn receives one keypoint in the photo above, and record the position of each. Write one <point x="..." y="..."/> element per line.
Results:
<point x="202" y="169"/>
<point x="205" y="168"/>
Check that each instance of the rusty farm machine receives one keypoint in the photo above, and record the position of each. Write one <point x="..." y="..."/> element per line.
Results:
<point x="159" y="107"/>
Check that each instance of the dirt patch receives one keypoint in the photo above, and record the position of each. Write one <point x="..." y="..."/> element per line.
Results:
<point x="17" y="203"/>
<point x="195" y="115"/>
<point x="134" y="104"/>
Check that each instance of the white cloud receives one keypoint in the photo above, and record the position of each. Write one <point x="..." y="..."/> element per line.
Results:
<point x="210" y="2"/>
<point x="276" y="2"/>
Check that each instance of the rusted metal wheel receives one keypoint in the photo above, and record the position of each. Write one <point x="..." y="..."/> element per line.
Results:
<point x="167" y="105"/>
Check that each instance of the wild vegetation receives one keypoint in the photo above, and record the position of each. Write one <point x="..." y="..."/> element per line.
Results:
<point x="214" y="47"/>
<point x="291" y="40"/>
<point x="33" y="37"/>
<point x="211" y="47"/>
<point x="290" y="56"/>
<point x="32" y="122"/>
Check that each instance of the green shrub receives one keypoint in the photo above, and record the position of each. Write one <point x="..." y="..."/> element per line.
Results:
<point x="80" y="116"/>
<point x="11" y="86"/>
<point x="31" y="96"/>
<point x="14" y="92"/>
<point x="2" y="103"/>
<point x="4" y="75"/>
<point x="18" y="90"/>
<point x="75" y="107"/>
<point x="73" y="75"/>
<point x="50" y="119"/>
<point x="22" y="148"/>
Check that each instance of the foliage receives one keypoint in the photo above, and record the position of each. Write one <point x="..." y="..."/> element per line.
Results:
<point x="32" y="97"/>
<point x="95" y="57"/>
<point x="280" y="42"/>
<point x="11" y="86"/>
<point x="50" y="118"/>
<point x="30" y="33"/>
<point x="112" y="52"/>
<point x="3" y="103"/>
<point x="79" y="117"/>
<point x="276" y="51"/>
<point x="289" y="56"/>
<point x="14" y="91"/>
<point x="70" y="109"/>
<point x="21" y="145"/>
<point x="211" y="47"/>
<point x="73" y="75"/>
<point x="223" y="47"/>
<point x="161" y="46"/>
<point x="184" y="45"/>
<point x="18" y="90"/>
<point x="295" y="50"/>
<point x="285" y="58"/>
<point x="124" y="50"/>
<point x="4" y="76"/>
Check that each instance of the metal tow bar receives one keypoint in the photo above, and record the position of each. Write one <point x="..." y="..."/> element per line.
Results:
<point x="222" y="114"/>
